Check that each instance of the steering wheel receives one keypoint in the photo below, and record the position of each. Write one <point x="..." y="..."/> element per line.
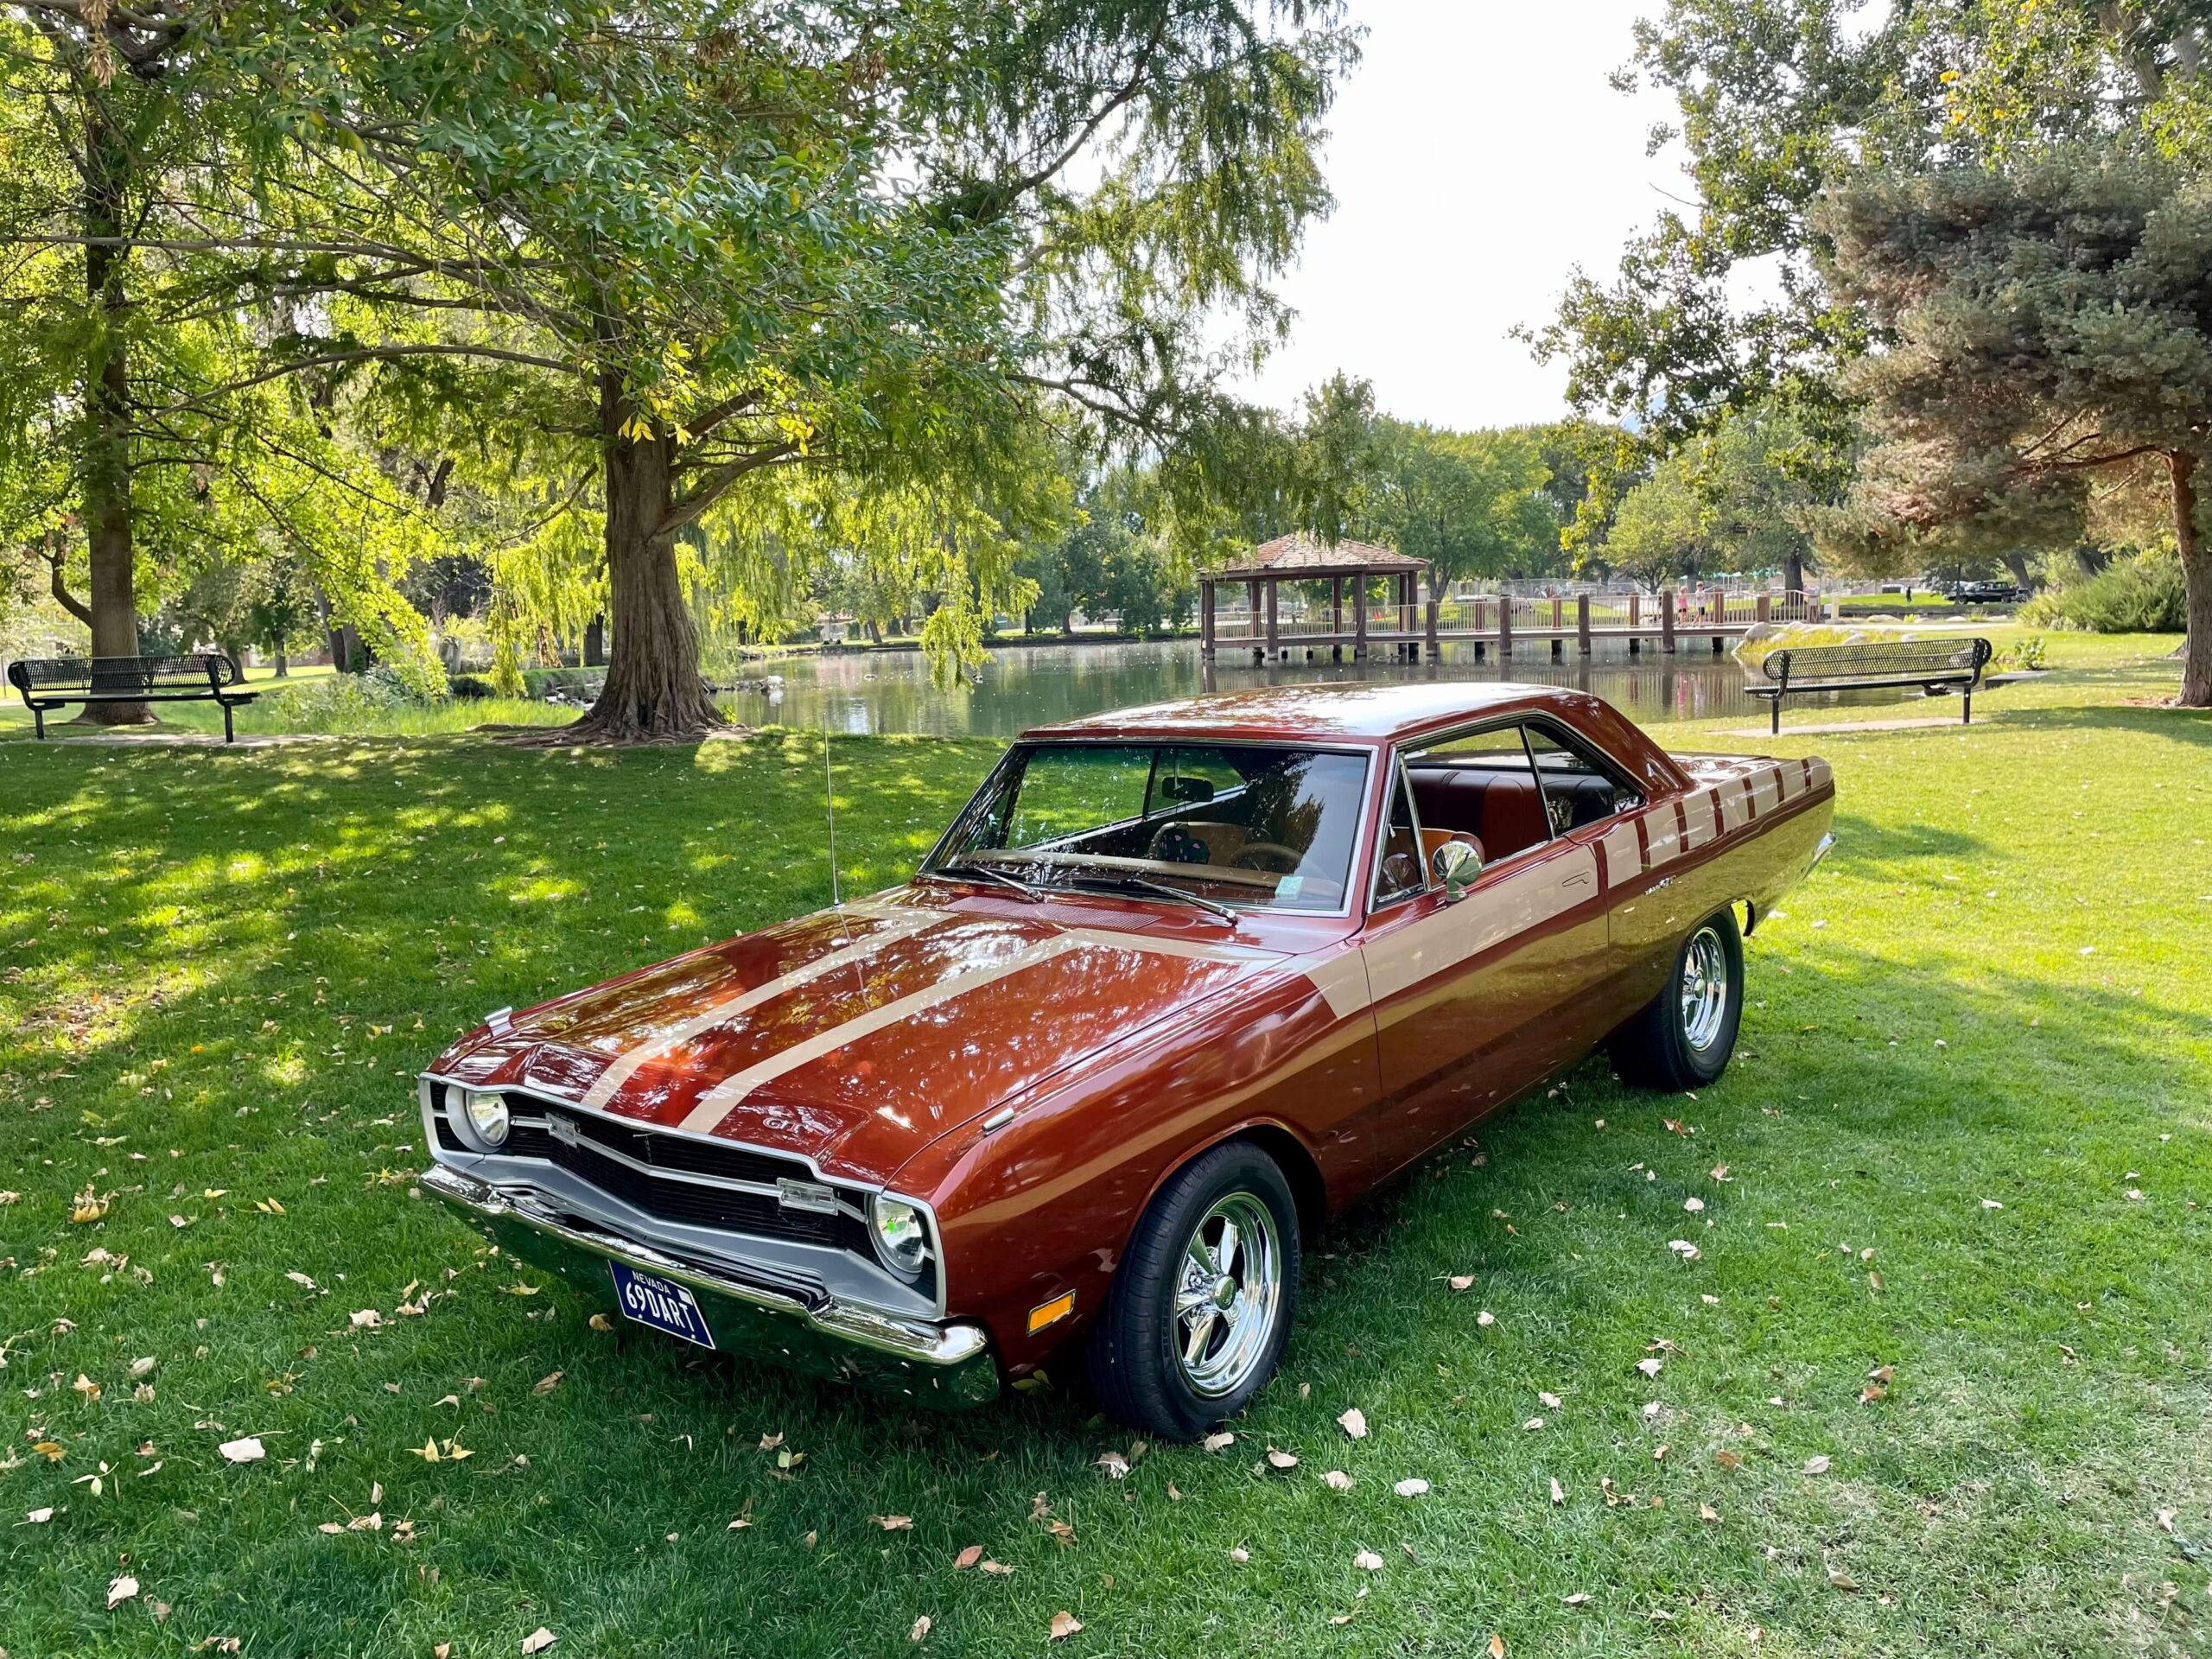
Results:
<point x="1267" y="854"/>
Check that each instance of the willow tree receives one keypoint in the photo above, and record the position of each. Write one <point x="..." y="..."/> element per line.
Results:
<point x="156" y="413"/>
<point x="761" y="240"/>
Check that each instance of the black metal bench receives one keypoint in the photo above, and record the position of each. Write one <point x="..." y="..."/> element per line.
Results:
<point x="1934" y="665"/>
<point x="203" y="677"/>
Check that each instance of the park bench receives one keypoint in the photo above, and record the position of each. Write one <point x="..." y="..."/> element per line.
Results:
<point x="203" y="677"/>
<point x="1935" y="665"/>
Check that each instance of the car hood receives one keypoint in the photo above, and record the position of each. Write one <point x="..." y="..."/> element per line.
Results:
<point x="856" y="1036"/>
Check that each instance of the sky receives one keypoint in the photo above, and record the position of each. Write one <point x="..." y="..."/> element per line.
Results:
<point x="1477" y="156"/>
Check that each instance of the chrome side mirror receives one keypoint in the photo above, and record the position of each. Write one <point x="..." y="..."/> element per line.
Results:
<point x="1456" y="865"/>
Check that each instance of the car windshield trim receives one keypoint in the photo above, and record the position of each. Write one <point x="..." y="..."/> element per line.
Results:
<point x="1055" y="861"/>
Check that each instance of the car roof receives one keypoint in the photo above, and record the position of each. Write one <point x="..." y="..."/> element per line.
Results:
<point x="1374" y="712"/>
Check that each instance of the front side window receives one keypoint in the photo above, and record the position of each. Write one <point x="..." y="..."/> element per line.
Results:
<point x="1258" y="826"/>
<point x="1398" y="874"/>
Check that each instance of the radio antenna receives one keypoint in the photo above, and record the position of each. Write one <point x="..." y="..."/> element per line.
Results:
<point x="830" y="807"/>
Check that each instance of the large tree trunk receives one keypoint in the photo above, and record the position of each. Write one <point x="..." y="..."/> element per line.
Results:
<point x="1793" y="573"/>
<point x="2196" y="585"/>
<point x="653" y="691"/>
<point x="107" y="413"/>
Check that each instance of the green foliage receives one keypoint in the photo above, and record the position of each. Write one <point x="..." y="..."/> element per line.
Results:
<point x="2142" y="593"/>
<point x="1781" y="101"/>
<point x="1739" y="498"/>
<point x="373" y="899"/>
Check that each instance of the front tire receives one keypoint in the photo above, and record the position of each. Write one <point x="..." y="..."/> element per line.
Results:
<point x="1196" y="1317"/>
<point x="1684" y="1038"/>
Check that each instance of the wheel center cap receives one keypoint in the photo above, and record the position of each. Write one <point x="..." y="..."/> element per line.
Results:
<point x="1224" y="1292"/>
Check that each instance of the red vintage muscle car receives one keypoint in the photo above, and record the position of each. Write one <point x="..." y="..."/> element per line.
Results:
<point x="1177" y="983"/>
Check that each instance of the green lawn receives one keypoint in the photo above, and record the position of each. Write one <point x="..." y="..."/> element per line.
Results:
<point x="222" y="970"/>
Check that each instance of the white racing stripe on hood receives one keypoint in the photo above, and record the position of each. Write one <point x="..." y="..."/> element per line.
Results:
<point x="724" y="1097"/>
<point x="908" y="924"/>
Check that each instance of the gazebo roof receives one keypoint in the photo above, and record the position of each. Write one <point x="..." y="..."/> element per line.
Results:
<point x="1301" y="558"/>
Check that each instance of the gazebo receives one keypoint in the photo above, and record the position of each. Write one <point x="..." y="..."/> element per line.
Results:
<point x="1301" y="558"/>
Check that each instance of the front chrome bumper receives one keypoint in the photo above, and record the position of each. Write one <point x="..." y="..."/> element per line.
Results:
<point x="945" y="1364"/>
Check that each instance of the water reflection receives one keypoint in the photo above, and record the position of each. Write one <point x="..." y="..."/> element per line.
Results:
<point x="890" y="691"/>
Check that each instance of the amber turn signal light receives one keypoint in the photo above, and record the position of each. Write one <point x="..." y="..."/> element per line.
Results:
<point x="1051" y="1312"/>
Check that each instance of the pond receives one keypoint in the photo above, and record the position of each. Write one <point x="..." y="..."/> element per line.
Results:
<point x="883" y="691"/>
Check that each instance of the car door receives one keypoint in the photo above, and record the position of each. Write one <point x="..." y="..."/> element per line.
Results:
<point x="1478" y="997"/>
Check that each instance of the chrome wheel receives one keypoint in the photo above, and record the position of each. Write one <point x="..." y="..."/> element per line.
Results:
<point x="1705" y="989"/>
<point x="1228" y="1295"/>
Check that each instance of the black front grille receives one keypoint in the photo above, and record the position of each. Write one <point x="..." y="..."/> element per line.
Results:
<point x="585" y="1147"/>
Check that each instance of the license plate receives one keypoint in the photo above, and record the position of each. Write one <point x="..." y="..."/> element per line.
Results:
<point x="661" y="1303"/>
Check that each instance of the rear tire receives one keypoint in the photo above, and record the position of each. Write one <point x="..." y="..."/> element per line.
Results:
<point x="1197" y="1316"/>
<point x="1684" y="1038"/>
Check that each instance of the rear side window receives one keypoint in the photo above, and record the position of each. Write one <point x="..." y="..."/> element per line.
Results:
<point x="1577" y="788"/>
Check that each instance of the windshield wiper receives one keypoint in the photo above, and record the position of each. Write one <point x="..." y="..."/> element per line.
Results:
<point x="1126" y="879"/>
<point x="961" y="870"/>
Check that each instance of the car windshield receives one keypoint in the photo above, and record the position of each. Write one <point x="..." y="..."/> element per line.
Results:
<point x="1252" y="825"/>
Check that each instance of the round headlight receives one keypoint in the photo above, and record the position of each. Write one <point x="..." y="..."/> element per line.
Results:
<point x="483" y="1117"/>
<point x="902" y="1237"/>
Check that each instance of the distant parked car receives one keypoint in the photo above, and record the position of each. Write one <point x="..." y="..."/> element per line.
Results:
<point x="1179" y="982"/>
<point x="1988" y="593"/>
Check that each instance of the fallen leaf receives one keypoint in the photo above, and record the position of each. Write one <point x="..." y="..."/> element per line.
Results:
<point x="1281" y="1459"/>
<point x="1548" y="1400"/>
<point x="1817" y="1465"/>
<point x="365" y="1318"/>
<point x="1485" y="1319"/>
<point x="1368" y="1561"/>
<point x="1240" y="1554"/>
<point x="1577" y="1600"/>
<point x="40" y="1518"/>
<point x="1728" y="1459"/>
<point x="600" y="1322"/>
<point x="968" y="1558"/>
<point x="86" y="1386"/>
<point x="2165" y="1520"/>
<point x="1413" y="1487"/>
<point x="547" y="1384"/>
<point x="921" y="1628"/>
<point x="300" y="1278"/>
<point x="121" y="1590"/>
<point x="996" y="1569"/>
<point x="143" y="1367"/>
<point x="1337" y="1481"/>
<point x="1706" y="1512"/>
<point x="1885" y="1375"/>
<point x="1462" y="1281"/>
<point x="538" y="1640"/>
<point x="1354" y="1422"/>
<point x="1649" y="1367"/>
<point x="1496" y="1648"/>
<point x="1220" y="1441"/>
<point x="1559" y="1493"/>
<point x="1843" y="1580"/>
<point x="1112" y="1464"/>
<point x="893" y="1522"/>
<point x="247" y="1450"/>
<point x="1064" y="1625"/>
<point x="1694" y="1204"/>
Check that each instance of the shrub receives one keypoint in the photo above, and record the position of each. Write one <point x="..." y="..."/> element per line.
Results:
<point x="338" y="703"/>
<point x="2139" y="594"/>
